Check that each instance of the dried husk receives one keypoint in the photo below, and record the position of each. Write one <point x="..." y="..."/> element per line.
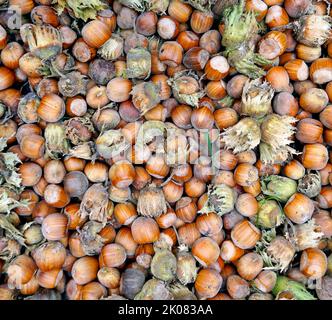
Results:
<point x="277" y="131"/>
<point x="9" y="249"/>
<point x="151" y="202"/>
<point x="95" y="204"/>
<point x="84" y="151"/>
<point x="256" y="98"/>
<point x="202" y="5"/>
<point x="186" y="88"/>
<point x="112" y="48"/>
<point x="44" y="41"/>
<point x="111" y="143"/>
<point x="79" y="129"/>
<point x="277" y="252"/>
<point x="243" y="136"/>
<point x="154" y="289"/>
<point x="307" y="235"/>
<point x="145" y="96"/>
<point x="138" y="63"/>
<point x="73" y="84"/>
<point x="186" y="271"/>
<point x="181" y="292"/>
<point x="84" y="9"/>
<point x="310" y="185"/>
<point x="56" y="142"/>
<point x="221" y="200"/>
<point x="157" y="6"/>
<point x="137" y="5"/>
<point x="313" y="30"/>
<point x="8" y="170"/>
<point x="92" y="242"/>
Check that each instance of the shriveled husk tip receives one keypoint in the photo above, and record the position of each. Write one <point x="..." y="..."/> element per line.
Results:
<point x="310" y="185"/>
<point x="221" y="199"/>
<point x="73" y="84"/>
<point x="151" y="202"/>
<point x="10" y="249"/>
<point x="55" y="140"/>
<point x="138" y="63"/>
<point x="307" y="235"/>
<point x="111" y="143"/>
<point x="44" y="41"/>
<point x="276" y="251"/>
<point x="83" y="9"/>
<point x="256" y="98"/>
<point x="95" y="203"/>
<point x="163" y="265"/>
<point x="243" y="136"/>
<point x="154" y="289"/>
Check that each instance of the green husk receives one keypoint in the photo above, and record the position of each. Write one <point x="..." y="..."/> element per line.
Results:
<point x="297" y="289"/>
<point x="247" y="62"/>
<point x="269" y="215"/>
<point x="82" y="9"/>
<point x="278" y="187"/>
<point x="163" y="265"/>
<point x="221" y="200"/>
<point x="240" y="26"/>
